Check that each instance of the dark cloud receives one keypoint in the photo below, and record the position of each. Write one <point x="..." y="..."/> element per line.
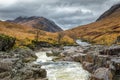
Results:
<point x="66" y="13"/>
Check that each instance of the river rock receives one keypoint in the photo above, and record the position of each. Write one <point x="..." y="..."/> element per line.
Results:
<point x="88" y="66"/>
<point x="67" y="59"/>
<point x="49" y="53"/>
<point x="69" y="51"/>
<point x="22" y="71"/>
<point x="54" y="52"/>
<point x="5" y="64"/>
<point x="102" y="74"/>
<point x="27" y="55"/>
<point x="79" y="57"/>
<point x="112" y="50"/>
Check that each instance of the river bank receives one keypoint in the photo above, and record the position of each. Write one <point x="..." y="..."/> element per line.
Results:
<point x="101" y="61"/>
<point x="18" y="64"/>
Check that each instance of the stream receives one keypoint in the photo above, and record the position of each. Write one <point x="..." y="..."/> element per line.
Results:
<point x="62" y="70"/>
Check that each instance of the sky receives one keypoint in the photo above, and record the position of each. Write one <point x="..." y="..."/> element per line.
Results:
<point x="65" y="13"/>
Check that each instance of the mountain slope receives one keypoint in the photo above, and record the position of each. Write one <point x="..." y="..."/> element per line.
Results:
<point x="25" y="34"/>
<point x="110" y="12"/>
<point x="37" y="22"/>
<point x="104" y="31"/>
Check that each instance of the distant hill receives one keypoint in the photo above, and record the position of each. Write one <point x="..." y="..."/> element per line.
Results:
<point x="37" y="22"/>
<point x="104" y="31"/>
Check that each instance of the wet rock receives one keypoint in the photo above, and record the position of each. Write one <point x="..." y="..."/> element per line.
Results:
<point x="49" y="53"/>
<point x="54" y="52"/>
<point x="102" y="74"/>
<point x="27" y="55"/>
<point x="79" y="57"/>
<point x="69" y="51"/>
<point x="102" y="61"/>
<point x="22" y="71"/>
<point x="67" y="59"/>
<point x="88" y="66"/>
<point x="112" y="50"/>
<point x="5" y="65"/>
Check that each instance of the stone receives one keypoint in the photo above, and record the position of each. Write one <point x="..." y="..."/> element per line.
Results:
<point x="88" y="66"/>
<point x="79" y="57"/>
<point x="103" y="74"/>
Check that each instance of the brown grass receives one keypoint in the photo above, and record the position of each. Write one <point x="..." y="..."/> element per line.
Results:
<point x="25" y="34"/>
<point x="104" y="31"/>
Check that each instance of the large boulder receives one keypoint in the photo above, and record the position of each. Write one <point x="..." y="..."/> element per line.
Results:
<point x="5" y="65"/>
<point x="88" y="66"/>
<point x="79" y="57"/>
<point x="18" y="70"/>
<point x="18" y="65"/>
<point x="6" y="42"/>
<point x="28" y="71"/>
<point x="102" y="74"/>
<point x="25" y="54"/>
<point x="69" y="51"/>
<point x="112" y="50"/>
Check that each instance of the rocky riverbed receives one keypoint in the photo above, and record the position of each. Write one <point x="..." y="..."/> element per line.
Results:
<point x="103" y="62"/>
<point x="61" y="70"/>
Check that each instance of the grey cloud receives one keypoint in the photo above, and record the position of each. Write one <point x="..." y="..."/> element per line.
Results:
<point x="66" y="13"/>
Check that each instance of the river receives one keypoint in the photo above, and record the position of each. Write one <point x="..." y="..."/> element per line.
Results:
<point x="62" y="70"/>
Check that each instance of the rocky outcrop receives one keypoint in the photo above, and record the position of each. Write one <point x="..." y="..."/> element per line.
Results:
<point x="113" y="50"/>
<point x="5" y="64"/>
<point x="23" y="71"/>
<point x="18" y="65"/>
<point x="110" y="11"/>
<point x="26" y="54"/>
<point x="101" y="61"/>
<point x="37" y="22"/>
<point x="6" y="42"/>
<point x="104" y="61"/>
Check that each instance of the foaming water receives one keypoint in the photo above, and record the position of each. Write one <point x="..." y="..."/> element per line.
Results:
<point x="62" y="70"/>
<point x="81" y="43"/>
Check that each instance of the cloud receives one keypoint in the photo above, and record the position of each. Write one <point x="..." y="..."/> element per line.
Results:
<point x="66" y="13"/>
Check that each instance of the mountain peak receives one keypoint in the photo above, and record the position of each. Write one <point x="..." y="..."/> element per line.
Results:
<point x="20" y="18"/>
<point x="39" y="22"/>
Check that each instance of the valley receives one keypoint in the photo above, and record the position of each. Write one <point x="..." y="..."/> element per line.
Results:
<point x="36" y="48"/>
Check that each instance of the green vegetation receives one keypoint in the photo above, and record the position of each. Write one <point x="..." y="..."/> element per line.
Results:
<point x="6" y="42"/>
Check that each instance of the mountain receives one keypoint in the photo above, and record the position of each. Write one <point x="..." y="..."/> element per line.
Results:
<point x="37" y="22"/>
<point x="109" y="13"/>
<point x="104" y="31"/>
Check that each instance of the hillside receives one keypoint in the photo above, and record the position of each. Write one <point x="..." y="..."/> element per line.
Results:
<point x="113" y="9"/>
<point x="104" y="31"/>
<point x="25" y="34"/>
<point x="37" y="22"/>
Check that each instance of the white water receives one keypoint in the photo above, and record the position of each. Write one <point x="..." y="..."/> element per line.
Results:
<point x="81" y="43"/>
<point x="62" y="70"/>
